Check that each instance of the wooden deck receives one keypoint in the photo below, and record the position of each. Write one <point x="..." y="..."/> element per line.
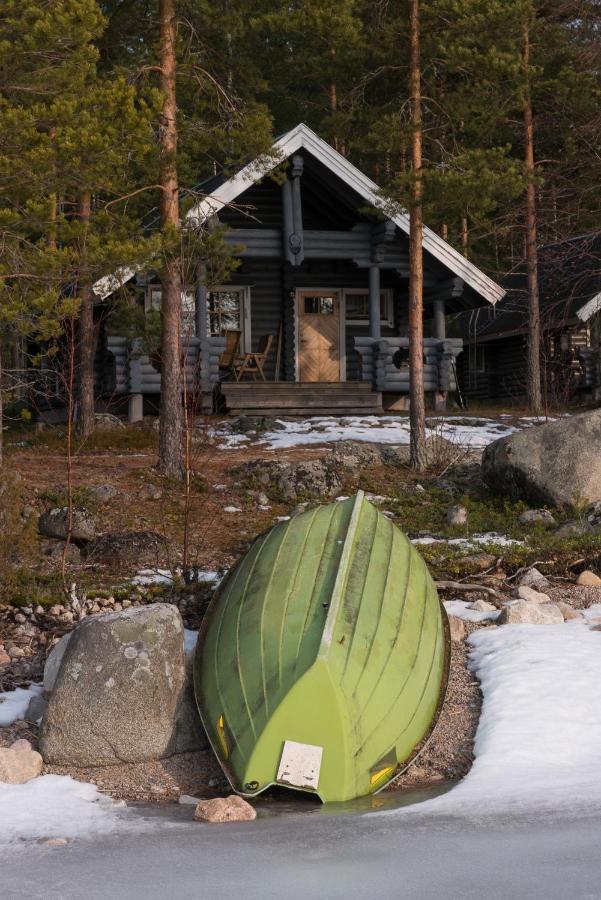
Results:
<point x="281" y="398"/>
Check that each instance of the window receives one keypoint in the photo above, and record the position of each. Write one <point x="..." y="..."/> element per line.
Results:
<point x="357" y="306"/>
<point x="228" y="309"/>
<point x="319" y="305"/>
<point x="481" y="360"/>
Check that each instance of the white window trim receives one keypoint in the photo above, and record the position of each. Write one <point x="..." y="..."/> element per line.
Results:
<point x="246" y="337"/>
<point x="388" y="300"/>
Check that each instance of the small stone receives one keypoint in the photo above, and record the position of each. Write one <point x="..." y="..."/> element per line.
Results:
<point x="57" y="610"/>
<point x="482" y="606"/>
<point x="20" y="766"/>
<point x="20" y="618"/>
<point x="68" y="616"/>
<point x="521" y="612"/>
<point x="420" y="488"/>
<point x="4" y="658"/>
<point x="16" y="653"/>
<point x="523" y="592"/>
<point x="103" y="493"/>
<point x="534" y="578"/>
<point x="457" y="515"/>
<point x="224" y="809"/>
<point x="587" y="579"/>
<point x="39" y="610"/>
<point x="574" y="528"/>
<point x="55" y="842"/>
<point x="568" y="612"/>
<point x="262" y="499"/>
<point x="457" y="629"/>
<point x="20" y="745"/>
<point x="536" y="516"/>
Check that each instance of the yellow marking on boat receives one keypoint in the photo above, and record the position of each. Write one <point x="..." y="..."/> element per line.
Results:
<point x="221" y="735"/>
<point x="381" y="774"/>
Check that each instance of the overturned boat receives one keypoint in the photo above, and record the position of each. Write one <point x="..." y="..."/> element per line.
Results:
<point x="323" y="659"/>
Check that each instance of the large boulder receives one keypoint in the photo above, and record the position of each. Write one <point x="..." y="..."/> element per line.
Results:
<point x="54" y="524"/>
<point x="558" y="464"/>
<point x="133" y="549"/>
<point x="121" y="693"/>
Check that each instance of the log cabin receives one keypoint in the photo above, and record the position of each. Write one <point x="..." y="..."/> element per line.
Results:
<point x="492" y="367"/>
<point x="314" y="319"/>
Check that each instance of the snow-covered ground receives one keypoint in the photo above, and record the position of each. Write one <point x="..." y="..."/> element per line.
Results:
<point x="461" y="609"/>
<point x="165" y="576"/>
<point x="474" y="542"/>
<point x="538" y="745"/>
<point x="474" y="432"/>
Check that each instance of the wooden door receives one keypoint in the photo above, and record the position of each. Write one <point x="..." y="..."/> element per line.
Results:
<point x="319" y="336"/>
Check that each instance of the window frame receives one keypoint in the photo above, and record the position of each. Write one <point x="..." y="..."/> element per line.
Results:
<point x="150" y="303"/>
<point x="386" y="293"/>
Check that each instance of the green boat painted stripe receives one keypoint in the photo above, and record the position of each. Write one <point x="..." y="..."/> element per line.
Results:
<point x="341" y="577"/>
<point x="364" y="580"/>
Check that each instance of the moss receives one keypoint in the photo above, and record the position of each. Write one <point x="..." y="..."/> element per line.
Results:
<point x="25" y="588"/>
<point x="54" y="439"/>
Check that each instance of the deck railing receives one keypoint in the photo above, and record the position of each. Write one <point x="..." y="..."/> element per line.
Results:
<point x="385" y="363"/>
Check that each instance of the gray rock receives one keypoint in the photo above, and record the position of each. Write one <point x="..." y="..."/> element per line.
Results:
<point x="119" y="690"/>
<point x="520" y="612"/>
<point x="524" y="592"/>
<point x="457" y="515"/>
<point x="574" y="528"/>
<point x="593" y="515"/>
<point x="55" y="550"/>
<point x="534" y="578"/>
<point x="103" y="493"/>
<point x="36" y="709"/>
<point x="558" y="464"/>
<point x="108" y="421"/>
<point x="54" y="524"/>
<point x="189" y="734"/>
<point x="122" y="548"/>
<point x="535" y="517"/>
<point x="478" y="562"/>
<point x="53" y="663"/>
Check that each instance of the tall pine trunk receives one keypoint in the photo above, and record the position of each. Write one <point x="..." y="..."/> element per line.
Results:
<point x="534" y="330"/>
<point x="417" y="410"/>
<point x="87" y="334"/>
<point x="171" y="452"/>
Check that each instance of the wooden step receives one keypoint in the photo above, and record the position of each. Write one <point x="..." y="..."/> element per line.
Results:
<point x="305" y="412"/>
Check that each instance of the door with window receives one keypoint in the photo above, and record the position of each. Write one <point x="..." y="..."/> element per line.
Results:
<point x="319" y="336"/>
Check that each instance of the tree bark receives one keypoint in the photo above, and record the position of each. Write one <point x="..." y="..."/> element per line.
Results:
<point x="534" y="329"/>
<point x="417" y="412"/>
<point x="1" y="415"/>
<point x="171" y="451"/>
<point x="87" y="334"/>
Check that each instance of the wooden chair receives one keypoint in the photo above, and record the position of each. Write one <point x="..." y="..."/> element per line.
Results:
<point x="231" y="352"/>
<point x="252" y="363"/>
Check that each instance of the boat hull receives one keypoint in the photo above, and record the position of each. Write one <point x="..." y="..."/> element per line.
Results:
<point x="323" y="659"/>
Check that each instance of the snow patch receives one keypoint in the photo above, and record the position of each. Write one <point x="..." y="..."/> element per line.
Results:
<point x="13" y="704"/>
<point x="461" y="610"/>
<point x="538" y="744"/>
<point x="166" y="576"/>
<point x="54" y="806"/>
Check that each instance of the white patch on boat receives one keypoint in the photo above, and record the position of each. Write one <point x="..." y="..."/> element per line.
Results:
<point x="300" y="765"/>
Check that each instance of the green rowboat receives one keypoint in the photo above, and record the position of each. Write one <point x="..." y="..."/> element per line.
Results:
<point x="322" y="661"/>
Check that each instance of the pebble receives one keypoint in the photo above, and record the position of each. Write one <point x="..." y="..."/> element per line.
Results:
<point x="588" y="579"/>
<point x="54" y="842"/>
<point x="16" y="653"/>
<point x="457" y="629"/>
<point x="523" y="592"/>
<point x="224" y="809"/>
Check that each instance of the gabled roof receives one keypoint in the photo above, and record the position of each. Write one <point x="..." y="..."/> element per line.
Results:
<point x="569" y="287"/>
<point x="302" y="137"/>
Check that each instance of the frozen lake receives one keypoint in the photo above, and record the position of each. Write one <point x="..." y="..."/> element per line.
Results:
<point x="320" y="854"/>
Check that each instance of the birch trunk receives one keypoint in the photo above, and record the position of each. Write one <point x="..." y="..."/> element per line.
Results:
<point x="171" y="458"/>
<point x="417" y="411"/>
